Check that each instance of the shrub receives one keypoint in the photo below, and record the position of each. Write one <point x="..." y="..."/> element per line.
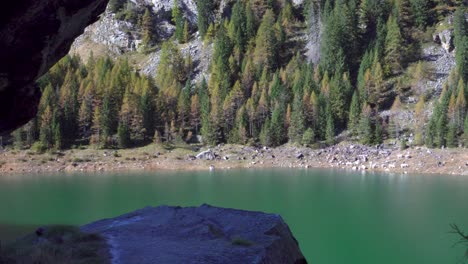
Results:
<point x="39" y="147"/>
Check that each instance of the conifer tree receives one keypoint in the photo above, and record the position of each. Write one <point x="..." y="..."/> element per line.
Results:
<point x="452" y="135"/>
<point x="186" y="32"/>
<point x="330" y="129"/>
<point x="393" y="47"/>
<point x="265" y="44"/>
<point x="465" y="133"/>
<point x="405" y="20"/>
<point x="354" y="114"/>
<point x="204" y="10"/>
<point x="46" y="133"/>
<point x="296" y="128"/>
<point x="147" y="28"/>
<point x="308" y="137"/>
<point x="366" y="132"/>
<point x="277" y="130"/>
<point x="178" y="19"/>
<point x="420" y="121"/>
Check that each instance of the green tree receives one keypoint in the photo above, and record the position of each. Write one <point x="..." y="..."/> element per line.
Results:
<point x="330" y="129"/>
<point x="116" y="5"/>
<point x="393" y="47"/>
<point x="366" y="132"/>
<point x="265" y="43"/>
<point x="178" y="19"/>
<point x="147" y="28"/>
<point x="296" y="128"/>
<point x="308" y="137"/>
<point x="354" y="114"/>
<point x="204" y="10"/>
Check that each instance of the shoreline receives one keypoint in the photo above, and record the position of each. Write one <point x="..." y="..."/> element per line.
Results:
<point x="347" y="156"/>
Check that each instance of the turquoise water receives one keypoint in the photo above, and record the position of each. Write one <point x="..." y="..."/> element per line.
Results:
<point x="337" y="217"/>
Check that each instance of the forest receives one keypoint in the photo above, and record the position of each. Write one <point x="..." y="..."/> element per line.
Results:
<point x="260" y="88"/>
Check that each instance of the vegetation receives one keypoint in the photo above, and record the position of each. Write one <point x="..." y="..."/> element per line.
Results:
<point x="256" y="94"/>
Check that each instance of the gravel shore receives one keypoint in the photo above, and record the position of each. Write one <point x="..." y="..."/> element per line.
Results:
<point x="343" y="156"/>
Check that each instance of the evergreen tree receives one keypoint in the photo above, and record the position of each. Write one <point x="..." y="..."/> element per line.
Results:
<point x="116" y="5"/>
<point x="462" y="57"/>
<point x="452" y="135"/>
<point x="405" y="20"/>
<point x="277" y="129"/>
<point x="354" y="114"/>
<point x="330" y="129"/>
<point x="420" y="121"/>
<point x="186" y="32"/>
<point x="178" y="19"/>
<point x="296" y="128"/>
<point x="366" y="132"/>
<point x="123" y="133"/>
<point x="423" y="12"/>
<point x="265" y="43"/>
<point x="46" y="133"/>
<point x="465" y="134"/>
<point x="393" y="47"/>
<point x="308" y="137"/>
<point x="204" y="10"/>
<point x="147" y="28"/>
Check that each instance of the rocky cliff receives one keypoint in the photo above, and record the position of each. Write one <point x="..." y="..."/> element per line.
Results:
<point x="34" y="35"/>
<point x="202" y="234"/>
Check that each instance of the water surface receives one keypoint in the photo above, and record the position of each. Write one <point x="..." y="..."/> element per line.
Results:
<point x="337" y="217"/>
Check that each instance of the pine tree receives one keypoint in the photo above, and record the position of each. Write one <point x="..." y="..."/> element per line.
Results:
<point x="378" y="133"/>
<point x="423" y="12"/>
<point x="330" y="129"/>
<point x="116" y="5"/>
<point x="354" y="114"/>
<point x="420" y="121"/>
<point x="178" y="19"/>
<point x="46" y="133"/>
<point x="277" y="130"/>
<point x="186" y="32"/>
<point x="204" y="10"/>
<point x="309" y="137"/>
<point x="393" y="47"/>
<point x="123" y="133"/>
<point x="296" y="128"/>
<point x="465" y="133"/>
<point x="366" y="132"/>
<point x="265" y="43"/>
<point x="405" y="20"/>
<point x="462" y="57"/>
<point x="250" y="23"/>
<point x="452" y="135"/>
<point x="147" y="28"/>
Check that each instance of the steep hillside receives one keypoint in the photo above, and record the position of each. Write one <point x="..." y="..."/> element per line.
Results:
<point x="262" y="72"/>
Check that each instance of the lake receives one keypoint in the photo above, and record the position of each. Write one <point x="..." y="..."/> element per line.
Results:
<point x="337" y="216"/>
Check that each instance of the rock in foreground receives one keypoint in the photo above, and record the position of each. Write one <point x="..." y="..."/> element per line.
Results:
<point x="202" y="234"/>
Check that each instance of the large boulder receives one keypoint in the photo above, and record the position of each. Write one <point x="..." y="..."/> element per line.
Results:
<point x="34" y="35"/>
<point x="206" y="155"/>
<point x="202" y="234"/>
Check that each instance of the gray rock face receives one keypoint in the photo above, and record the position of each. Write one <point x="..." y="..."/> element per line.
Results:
<point x="206" y="155"/>
<point x="445" y="39"/>
<point x="34" y="35"/>
<point x="202" y="234"/>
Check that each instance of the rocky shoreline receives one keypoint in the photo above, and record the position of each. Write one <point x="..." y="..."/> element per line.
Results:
<point x="150" y="158"/>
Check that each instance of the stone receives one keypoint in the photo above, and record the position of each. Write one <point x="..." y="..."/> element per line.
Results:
<point x="206" y="155"/>
<point x="34" y="35"/>
<point x="202" y="234"/>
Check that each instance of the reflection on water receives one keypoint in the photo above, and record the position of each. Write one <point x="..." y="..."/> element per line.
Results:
<point x="337" y="216"/>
